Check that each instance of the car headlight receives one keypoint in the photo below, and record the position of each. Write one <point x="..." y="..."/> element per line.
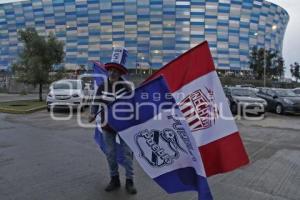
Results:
<point x="49" y="95"/>
<point x="288" y="101"/>
<point x="75" y="95"/>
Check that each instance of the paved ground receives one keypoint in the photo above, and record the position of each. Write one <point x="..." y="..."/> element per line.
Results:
<point x="4" y="97"/>
<point x="45" y="159"/>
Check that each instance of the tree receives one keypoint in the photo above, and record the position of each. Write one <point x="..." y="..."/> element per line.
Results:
<point x="253" y="61"/>
<point x="295" y="70"/>
<point x="268" y="60"/>
<point x="38" y="57"/>
<point x="279" y="66"/>
<point x="261" y="58"/>
<point x="257" y="62"/>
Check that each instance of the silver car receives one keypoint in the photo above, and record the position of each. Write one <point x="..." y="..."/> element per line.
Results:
<point x="296" y="91"/>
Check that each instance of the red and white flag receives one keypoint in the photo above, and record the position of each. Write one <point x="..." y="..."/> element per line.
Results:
<point x="194" y="83"/>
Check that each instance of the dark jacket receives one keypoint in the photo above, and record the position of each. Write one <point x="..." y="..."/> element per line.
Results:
<point x="105" y="95"/>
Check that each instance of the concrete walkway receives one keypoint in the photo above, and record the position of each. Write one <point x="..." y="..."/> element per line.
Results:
<point x="42" y="158"/>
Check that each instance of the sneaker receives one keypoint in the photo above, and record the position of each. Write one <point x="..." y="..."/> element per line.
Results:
<point x="130" y="187"/>
<point x="113" y="184"/>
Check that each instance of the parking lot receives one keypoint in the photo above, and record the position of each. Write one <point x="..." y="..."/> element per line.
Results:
<point x="41" y="158"/>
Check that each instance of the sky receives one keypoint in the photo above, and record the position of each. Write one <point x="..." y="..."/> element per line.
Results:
<point x="291" y="43"/>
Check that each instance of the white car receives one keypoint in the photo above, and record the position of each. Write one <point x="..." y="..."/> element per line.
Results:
<point x="91" y="90"/>
<point x="67" y="93"/>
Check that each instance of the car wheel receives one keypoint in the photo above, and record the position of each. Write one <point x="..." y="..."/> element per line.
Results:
<point x="279" y="109"/>
<point x="261" y="114"/>
<point x="82" y="108"/>
<point x="48" y="108"/>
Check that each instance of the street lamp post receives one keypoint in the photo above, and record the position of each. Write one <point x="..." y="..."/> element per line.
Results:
<point x="265" y="67"/>
<point x="274" y="28"/>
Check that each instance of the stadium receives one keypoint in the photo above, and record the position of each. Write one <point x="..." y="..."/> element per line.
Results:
<point x="153" y="31"/>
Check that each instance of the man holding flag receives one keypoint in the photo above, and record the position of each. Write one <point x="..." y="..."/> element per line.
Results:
<point x="188" y="133"/>
<point x="160" y="138"/>
<point x="113" y="88"/>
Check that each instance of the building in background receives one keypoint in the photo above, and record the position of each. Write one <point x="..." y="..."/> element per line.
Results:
<point x="153" y="31"/>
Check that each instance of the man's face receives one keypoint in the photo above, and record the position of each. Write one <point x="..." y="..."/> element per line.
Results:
<point x="114" y="74"/>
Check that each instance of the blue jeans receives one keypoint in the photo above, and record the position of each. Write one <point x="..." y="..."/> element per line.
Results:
<point x="111" y="154"/>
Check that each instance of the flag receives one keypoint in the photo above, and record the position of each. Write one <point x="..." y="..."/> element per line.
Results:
<point x="193" y="81"/>
<point x="98" y="69"/>
<point x="152" y="125"/>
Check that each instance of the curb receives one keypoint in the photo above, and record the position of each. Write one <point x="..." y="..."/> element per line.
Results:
<point x="12" y="111"/>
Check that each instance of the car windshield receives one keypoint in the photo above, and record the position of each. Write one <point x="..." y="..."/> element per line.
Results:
<point x="243" y="92"/>
<point x="66" y="85"/>
<point x="285" y="93"/>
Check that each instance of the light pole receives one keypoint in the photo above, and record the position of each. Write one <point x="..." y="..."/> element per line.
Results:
<point x="274" y="28"/>
<point x="265" y="67"/>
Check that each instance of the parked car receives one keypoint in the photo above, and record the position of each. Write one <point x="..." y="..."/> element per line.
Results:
<point x="90" y="90"/>
<point x="297" y="91"/>
<point x="248" y="86"/>
<point x="245" y="98"/>
<point x="67" y="93"/>
<point x="280" y="100"/>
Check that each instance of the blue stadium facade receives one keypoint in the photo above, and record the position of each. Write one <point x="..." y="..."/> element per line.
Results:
<point x="153" y="31"/>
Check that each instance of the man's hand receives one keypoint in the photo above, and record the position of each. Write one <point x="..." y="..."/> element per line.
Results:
<point x="92" y="118"/>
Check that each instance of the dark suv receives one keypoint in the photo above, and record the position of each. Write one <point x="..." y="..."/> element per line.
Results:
<point x="280" y="100"/>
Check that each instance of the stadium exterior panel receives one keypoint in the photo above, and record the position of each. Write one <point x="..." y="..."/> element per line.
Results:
<point x="153" y="31"/>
